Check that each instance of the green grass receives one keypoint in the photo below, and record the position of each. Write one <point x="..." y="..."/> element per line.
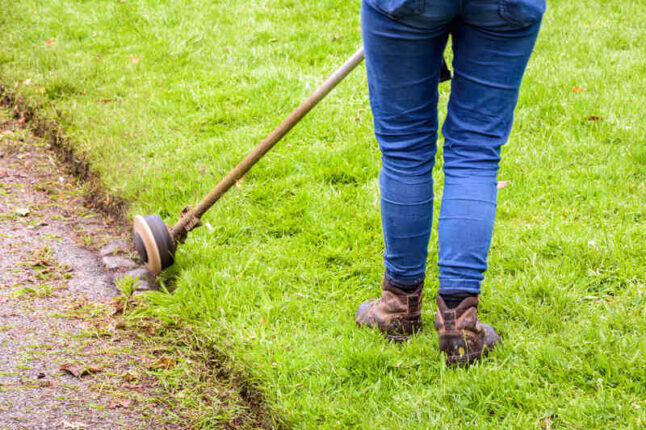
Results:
<point x="164" y="97"/>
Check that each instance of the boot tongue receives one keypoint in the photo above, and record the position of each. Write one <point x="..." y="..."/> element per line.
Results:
<point x="452" y="301"/>
<point x="467" y="303"/>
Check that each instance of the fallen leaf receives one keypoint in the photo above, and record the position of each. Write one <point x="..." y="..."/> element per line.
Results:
<point x="578" y="90"/>
<point x="78" y="370"/>
<point x="130" y="377"/>
<point x="129" y="386"/>
<point x="120" y="403"/>
<point x="502" y="184"/>
<point x="594" y="118"/>
<point x="164" y="362"/>
<point x="546" y="422"/>
<point x="118" y="305"/>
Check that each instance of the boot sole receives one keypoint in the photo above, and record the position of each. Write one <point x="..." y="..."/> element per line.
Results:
<point x="396" y="339"/>
<point x="401" y="337"/>
<point x="463" y="359"/>
<point x="467" y="359"/>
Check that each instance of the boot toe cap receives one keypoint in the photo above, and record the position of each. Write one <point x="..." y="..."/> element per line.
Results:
<point x="491" y="337"/>
<point x="364" y="315"/>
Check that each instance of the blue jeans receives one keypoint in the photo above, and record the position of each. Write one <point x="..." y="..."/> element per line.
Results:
<point x="404" y="41"/>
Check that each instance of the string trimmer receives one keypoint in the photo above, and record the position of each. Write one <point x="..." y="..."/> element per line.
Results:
<point x="156" y="242"/>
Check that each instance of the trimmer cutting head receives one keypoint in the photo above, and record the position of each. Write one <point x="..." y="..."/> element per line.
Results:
<point x="154" y="243"/>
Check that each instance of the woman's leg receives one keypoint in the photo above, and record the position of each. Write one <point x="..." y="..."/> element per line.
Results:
<point x="491" y="51"/>
<point x="403" y="65"/>
<point x="490" y="55"/>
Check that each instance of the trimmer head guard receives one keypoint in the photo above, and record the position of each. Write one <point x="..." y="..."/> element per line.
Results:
<point x="154" y="243"/>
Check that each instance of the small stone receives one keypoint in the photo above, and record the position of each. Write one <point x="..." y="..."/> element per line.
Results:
<point x="139" y="271"/>
<point x="112" y="263"/>
<point x="144" y="285"/>
<point x="145" y="278"/>
<point x="116" y="246"/>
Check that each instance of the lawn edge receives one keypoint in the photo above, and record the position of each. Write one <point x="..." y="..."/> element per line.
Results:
<point x="109" y="204"/>
<point x="115" y="208"/>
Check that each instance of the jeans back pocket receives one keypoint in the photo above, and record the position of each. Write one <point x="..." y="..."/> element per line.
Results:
<point x="400" y="8"/>
<point x="522" y="13"/>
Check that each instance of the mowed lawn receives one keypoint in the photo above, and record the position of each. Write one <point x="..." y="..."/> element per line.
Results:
<point x="165" y="96"/>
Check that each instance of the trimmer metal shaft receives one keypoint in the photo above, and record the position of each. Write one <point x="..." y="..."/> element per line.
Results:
<point x="156" y="243"/>
<point x="191" y="216"/>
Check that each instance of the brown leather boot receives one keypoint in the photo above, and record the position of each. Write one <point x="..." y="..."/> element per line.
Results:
<point x="397" y="314"/>
<point x="463" y="338"/>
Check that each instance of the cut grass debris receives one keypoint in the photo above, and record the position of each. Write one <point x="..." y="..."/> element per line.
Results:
<point x="164" y="97"/>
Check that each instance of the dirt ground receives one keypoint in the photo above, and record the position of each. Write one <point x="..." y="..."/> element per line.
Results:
<point x="66" y="360"/>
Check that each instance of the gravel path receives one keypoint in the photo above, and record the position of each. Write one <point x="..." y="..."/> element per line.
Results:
<point x="65" y="361"/>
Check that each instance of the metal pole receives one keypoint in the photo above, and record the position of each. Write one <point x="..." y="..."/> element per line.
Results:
<point x="190" y="219"/>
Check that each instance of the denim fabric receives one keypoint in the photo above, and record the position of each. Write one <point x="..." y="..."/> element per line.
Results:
<point x="404" y="40"/>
